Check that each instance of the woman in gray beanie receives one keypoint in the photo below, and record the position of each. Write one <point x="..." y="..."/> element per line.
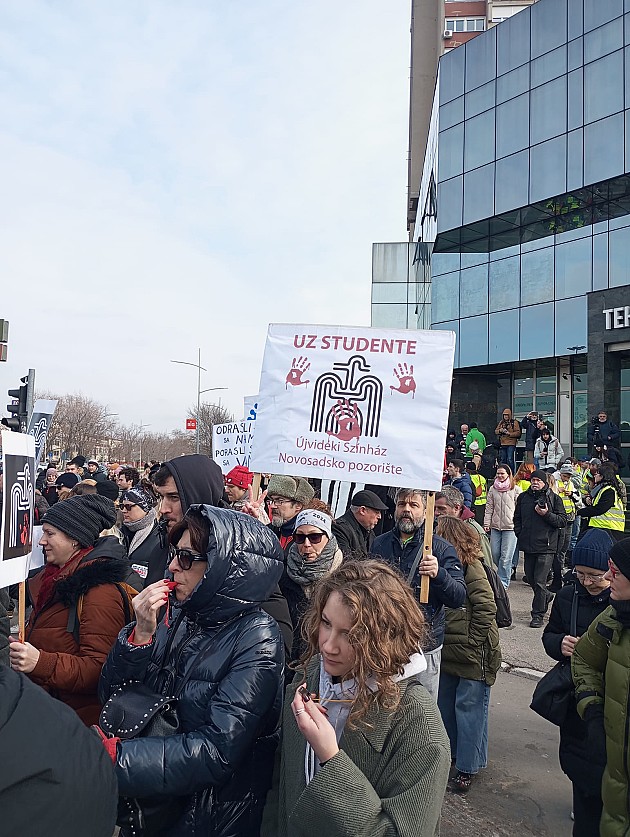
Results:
<point x="80" y="603"/>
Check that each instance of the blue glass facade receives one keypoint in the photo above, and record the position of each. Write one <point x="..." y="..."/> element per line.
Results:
<point x="533" y="195"/>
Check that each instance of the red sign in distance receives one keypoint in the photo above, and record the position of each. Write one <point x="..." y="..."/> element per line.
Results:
<point x="191" y="424"/>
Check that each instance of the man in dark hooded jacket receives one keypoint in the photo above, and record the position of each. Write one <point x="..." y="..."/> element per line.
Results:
<point x="55" y="777"/>
<point x="187" y="480"/>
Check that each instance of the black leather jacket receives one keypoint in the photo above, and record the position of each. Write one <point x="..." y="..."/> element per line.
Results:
<point x="232" y="653"/>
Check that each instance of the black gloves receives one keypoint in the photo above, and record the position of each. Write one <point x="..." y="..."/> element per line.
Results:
<point x="596" y="734"/>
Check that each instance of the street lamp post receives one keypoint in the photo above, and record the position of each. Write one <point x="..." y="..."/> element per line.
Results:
<point x="199" y="369"/>
<point x="142" y="426"/>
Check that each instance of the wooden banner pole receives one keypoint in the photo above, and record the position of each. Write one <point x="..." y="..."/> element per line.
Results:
<point x="428" y="544"/>
<point x="21" y="609"/>
<point x="256" y="487"/>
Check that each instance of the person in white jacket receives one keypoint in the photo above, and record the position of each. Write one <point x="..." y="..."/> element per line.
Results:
<point x="498" y="521"/>
<point x="548" y="452"/>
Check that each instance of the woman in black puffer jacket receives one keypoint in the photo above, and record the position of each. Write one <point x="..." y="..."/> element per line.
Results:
<point x="590" y="562"/>
<point x="225" y="564"/>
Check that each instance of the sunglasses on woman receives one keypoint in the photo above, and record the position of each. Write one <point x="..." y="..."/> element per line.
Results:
<point x="186" y="557"/>
<point x="128" y="506"/>
<point x="315" y="537"/>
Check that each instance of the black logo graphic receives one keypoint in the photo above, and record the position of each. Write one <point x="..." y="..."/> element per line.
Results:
<point x="337" y="398"/>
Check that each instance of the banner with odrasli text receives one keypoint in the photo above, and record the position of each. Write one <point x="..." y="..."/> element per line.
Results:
<point x="354" y="404"/>
<point x="232" y="444"/>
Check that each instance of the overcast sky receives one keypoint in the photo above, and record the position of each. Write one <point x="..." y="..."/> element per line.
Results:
<point x="177" y="175"/>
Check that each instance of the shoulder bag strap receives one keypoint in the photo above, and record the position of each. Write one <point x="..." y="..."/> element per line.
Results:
<point x="574" y="609"/>
<point x="416" y="561"/>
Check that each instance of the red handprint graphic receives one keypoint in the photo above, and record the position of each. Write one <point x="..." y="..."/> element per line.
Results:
<point x="406" y="381"/>
<point x="299" y="367"/>
<point x="347" y="416"/>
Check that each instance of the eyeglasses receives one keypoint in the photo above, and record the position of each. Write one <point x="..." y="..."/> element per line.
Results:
<point x="128" y="506"/>
<point x="278" y="501"/>
<point x="613" y="570"/>
<point x="315" y="537"/>
<point x="186" y="557"/>
<point x="592" y="579"/>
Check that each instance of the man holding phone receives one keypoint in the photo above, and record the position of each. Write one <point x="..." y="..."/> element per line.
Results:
<point x="539" y="518"/>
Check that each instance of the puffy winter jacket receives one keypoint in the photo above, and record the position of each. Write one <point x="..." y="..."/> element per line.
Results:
<point x="232" y="653"/>
<point x="538" y="534"/>
<point x="68" y="669"/>
<point x="150" y="558"/>
<point x="509" y="432"/>
<point x="447" y="589"/>
<point x="500" y="505"/>
<point x="471" y="641"/>
<point x="575" y="758"/>
<point x="601" y="675"/>
<point x="464" y="484"/>
<point x="552" y="455"/>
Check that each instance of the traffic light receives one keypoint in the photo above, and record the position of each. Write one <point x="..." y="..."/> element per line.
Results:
<point x="19" y="411"/>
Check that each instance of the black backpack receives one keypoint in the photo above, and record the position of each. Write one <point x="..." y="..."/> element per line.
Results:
<point x="504" y="611"/>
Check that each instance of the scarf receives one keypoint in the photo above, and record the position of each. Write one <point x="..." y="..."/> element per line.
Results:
<point x="142" y="529"/>
<point x="342" y="696"/>
<point x="51" y="574"/>
<point x="306" y="573"/>
<point x="502" y="485"/>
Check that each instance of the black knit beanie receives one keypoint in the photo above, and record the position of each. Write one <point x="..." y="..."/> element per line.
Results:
<point x="82" y="518"/>
<point x="541" y="475"/>
<point x="107" y="488"/>
<point x="620" y="556"/>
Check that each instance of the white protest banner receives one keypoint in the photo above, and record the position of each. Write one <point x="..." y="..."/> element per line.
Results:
<point x="39" y="425"/>
<point x="16" y="531"/>
<point x="250" y="407"/>
<point x="232" y="444"/>
<point x="354" y="404"/>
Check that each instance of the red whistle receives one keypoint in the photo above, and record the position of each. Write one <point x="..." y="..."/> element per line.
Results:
<point x="171" y="585"/>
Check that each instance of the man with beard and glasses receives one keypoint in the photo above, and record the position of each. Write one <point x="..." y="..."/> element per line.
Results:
<point x="402" y="548"/>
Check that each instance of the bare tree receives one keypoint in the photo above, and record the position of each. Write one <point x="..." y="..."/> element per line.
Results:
<point x="209" y="415"/>
<point x="80" y="424"/>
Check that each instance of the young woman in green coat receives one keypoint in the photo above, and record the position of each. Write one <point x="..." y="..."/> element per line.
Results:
<point x="364" y="750"/>
<point x="471" y="657"/>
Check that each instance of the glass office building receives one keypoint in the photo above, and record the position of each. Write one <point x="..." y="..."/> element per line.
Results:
<point x="524" y="207"/>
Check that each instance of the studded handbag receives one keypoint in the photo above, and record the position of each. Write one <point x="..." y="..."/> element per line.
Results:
<point x="134" y="710"/>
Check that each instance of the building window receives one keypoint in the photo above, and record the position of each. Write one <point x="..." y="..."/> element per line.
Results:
<point x="535" y="389"/>
<point x="465" y="24"/>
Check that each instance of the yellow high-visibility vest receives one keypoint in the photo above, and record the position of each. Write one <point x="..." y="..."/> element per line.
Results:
<point x="614" y="518"/>
<point x="478" y="480"/>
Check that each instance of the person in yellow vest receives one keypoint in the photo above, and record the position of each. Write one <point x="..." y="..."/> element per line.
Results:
<point x="604" y="505"/>
<point x="480" y="491"/>
<point x="565" y="488"/>
<point x="521" y="477"/>
<point x="588" y="477"/>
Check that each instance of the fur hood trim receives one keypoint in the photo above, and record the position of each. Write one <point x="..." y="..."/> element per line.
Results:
<point x="89" y="575"/>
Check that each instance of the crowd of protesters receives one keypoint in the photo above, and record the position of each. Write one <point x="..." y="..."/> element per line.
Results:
<point x="313" y="691"/>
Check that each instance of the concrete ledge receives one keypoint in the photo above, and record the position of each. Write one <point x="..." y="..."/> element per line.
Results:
<point x="520" y="671"/>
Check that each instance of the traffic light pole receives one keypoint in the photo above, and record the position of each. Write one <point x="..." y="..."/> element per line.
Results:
<point x="30" y="395"/>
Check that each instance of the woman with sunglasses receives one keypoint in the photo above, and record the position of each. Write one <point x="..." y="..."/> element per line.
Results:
<point x="313" y="554"/>
<point x="364" y="750"/>
<point x="147" y="547"/>
<point x="223" y="656"/>
<point x="590" y="590"/>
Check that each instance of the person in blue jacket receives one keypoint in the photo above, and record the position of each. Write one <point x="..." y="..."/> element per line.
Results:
<point x="447" y="588"/>
<point x="459" y="478"/>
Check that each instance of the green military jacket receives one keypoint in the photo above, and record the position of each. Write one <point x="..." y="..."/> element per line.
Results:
<point x="386" y="781"/>
<point x="601" y="672"/>
<point x="471" y="641"/>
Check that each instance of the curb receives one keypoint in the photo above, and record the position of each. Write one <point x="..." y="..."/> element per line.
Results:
<point x="521" y="671"/>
